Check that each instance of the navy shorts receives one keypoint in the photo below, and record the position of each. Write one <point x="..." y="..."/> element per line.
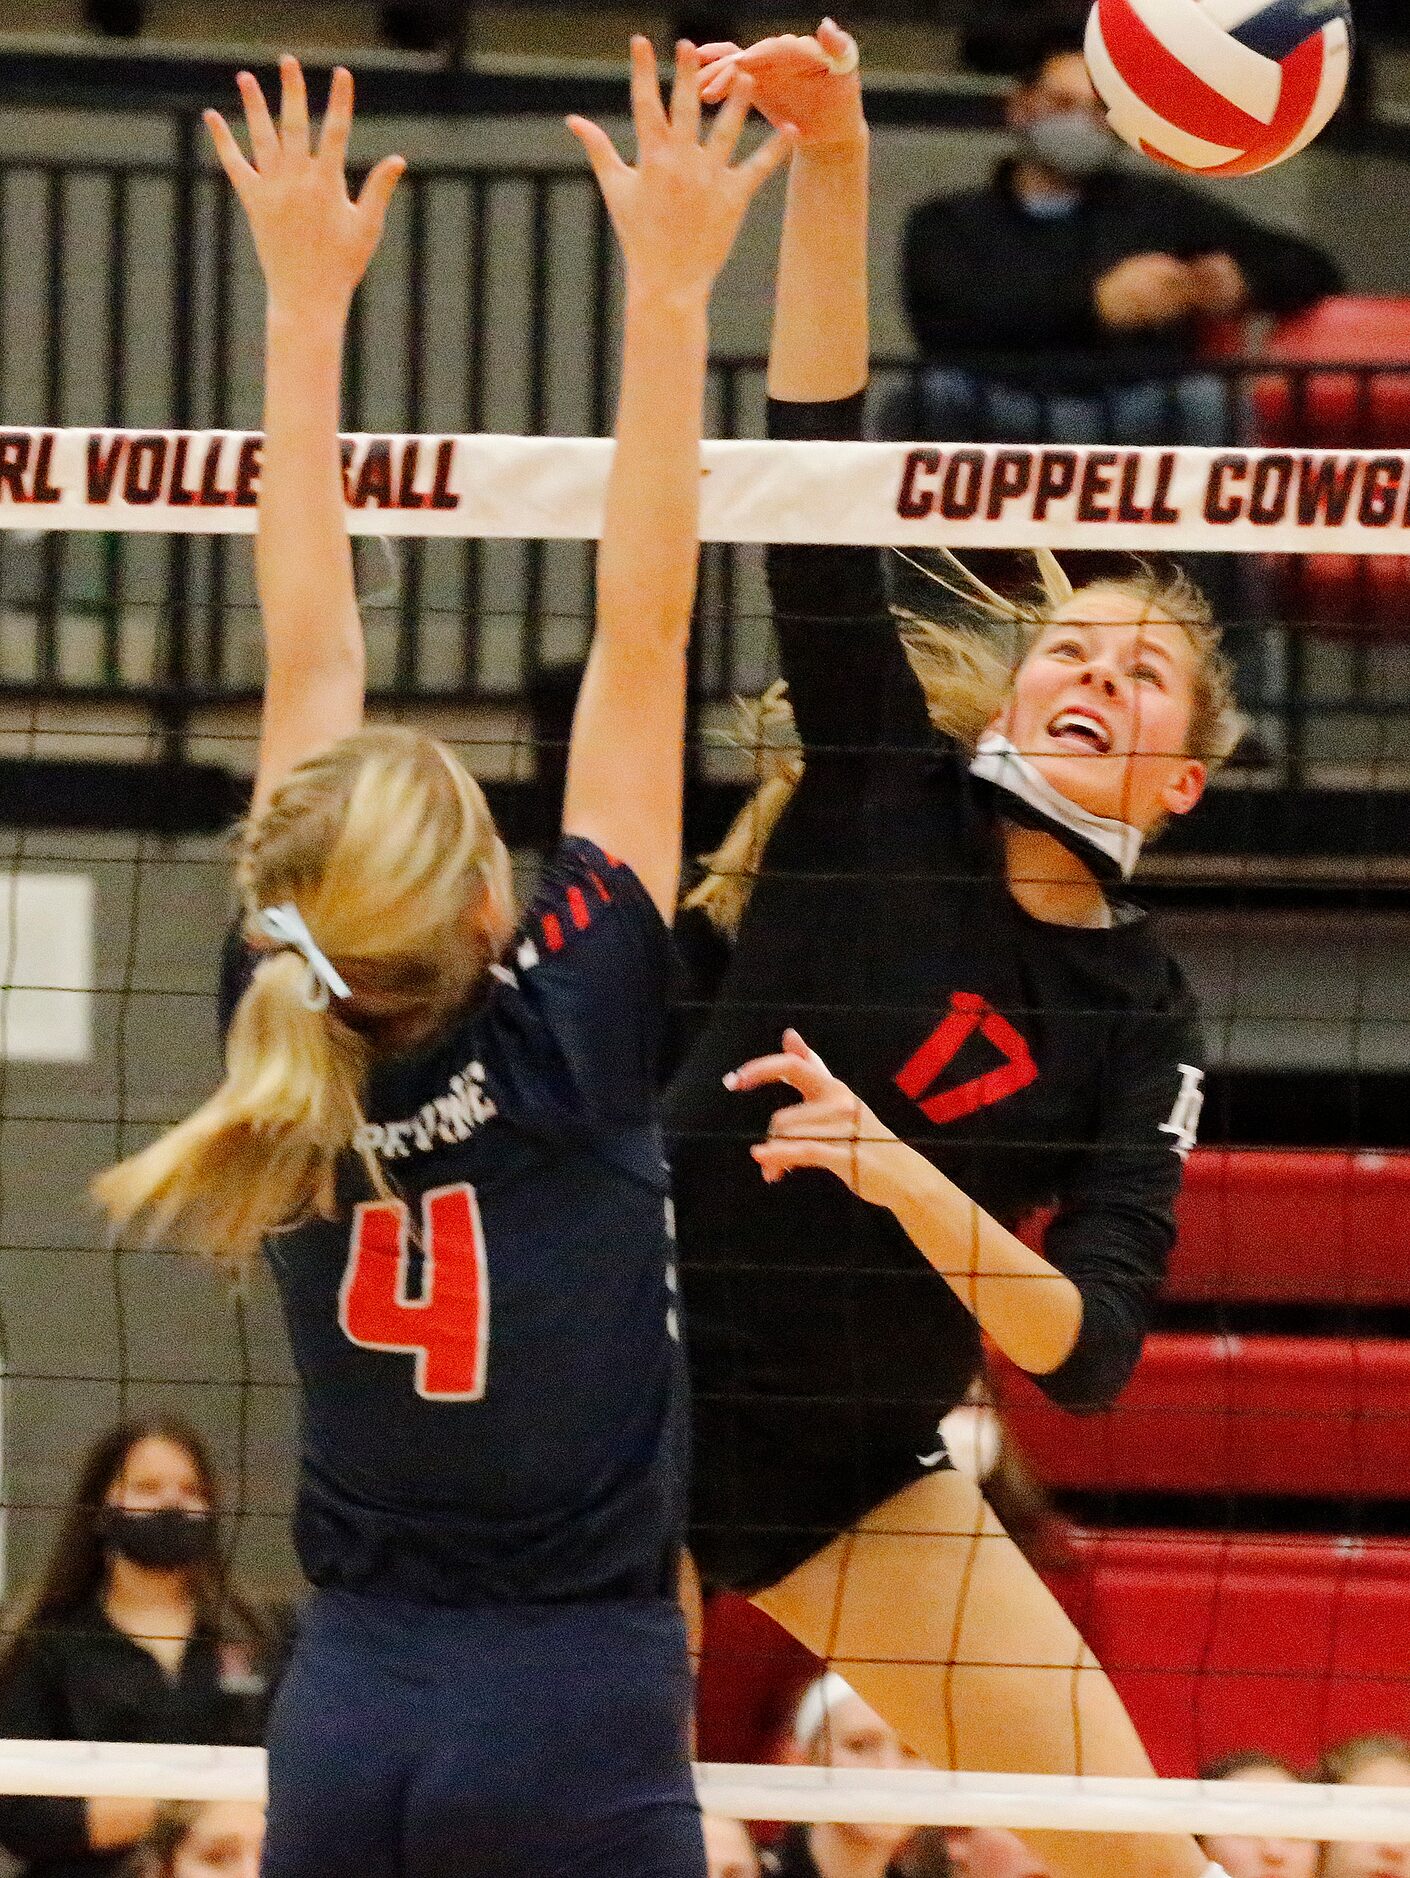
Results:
<point x="507" y="1741"/>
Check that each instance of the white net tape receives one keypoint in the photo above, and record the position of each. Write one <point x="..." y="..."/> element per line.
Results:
<point x="1037" y="1802"/>
<point x="870" y="494"/>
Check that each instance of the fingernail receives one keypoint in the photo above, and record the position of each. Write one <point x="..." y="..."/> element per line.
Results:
<point x="730" y="1079"/>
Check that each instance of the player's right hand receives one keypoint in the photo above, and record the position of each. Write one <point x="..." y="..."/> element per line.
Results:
<point x="314" y="242"/>
<point x="678" y="209"/>
<point x="798" y="79"/>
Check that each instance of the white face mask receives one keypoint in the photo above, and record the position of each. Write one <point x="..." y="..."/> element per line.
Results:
<point x="1071" y="142"/>
<point x="1112" y="848"/>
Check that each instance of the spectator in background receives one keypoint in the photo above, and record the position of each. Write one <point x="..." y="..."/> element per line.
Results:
<point x="1049" y="303"/>
<point x="730" y="1851"/>
<point x="214" y="1839"/>
<point x="1258" y="1858"/>
<point x="835" y="1728"/>
<point x="1366" y="1761"/>
<point x="136" y="1633"/>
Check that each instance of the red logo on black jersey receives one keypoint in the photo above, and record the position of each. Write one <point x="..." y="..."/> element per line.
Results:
<point x="968" y="1013"/>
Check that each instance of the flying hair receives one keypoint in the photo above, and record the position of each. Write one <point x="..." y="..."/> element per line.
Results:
<point x="965" y="678"/>
<point x="387" y="849"/>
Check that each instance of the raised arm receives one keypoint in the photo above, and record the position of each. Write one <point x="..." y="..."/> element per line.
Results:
<point x="848" y="679"/>
<point x="314" y="245"/>
<point x="676" y="212"/>
<point x="819" y="347"/>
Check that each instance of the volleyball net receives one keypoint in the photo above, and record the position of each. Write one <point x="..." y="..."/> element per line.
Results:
<point x="1233" y="1540"/>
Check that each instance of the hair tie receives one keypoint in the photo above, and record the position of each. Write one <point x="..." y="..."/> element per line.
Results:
<point x="287" y="927"/>
<point x="815" y="1710"/>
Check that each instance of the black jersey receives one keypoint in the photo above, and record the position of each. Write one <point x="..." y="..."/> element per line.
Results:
<point x="1034" y="1064"/>
<point x="491" y="1383"/>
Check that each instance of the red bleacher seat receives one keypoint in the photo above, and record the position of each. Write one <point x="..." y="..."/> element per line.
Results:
<point x="751" y="1676"/>
<point x="1331" y="410"/>
<point x="1338" y="410"/>
<point x="1311" y="1417"/>
<point x="1268" y="1226"/>
<point x="1220" y="1643"/>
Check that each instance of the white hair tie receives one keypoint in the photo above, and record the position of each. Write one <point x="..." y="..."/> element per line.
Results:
<point x="820" y="1699"/>
<point x="287" y="927"/>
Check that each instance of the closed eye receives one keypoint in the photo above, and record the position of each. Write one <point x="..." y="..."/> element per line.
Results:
<point x="1150" y="675"/>
<point x="1066" y="648"/>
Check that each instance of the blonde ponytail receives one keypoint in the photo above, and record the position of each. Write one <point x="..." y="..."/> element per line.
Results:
<point x="767" y="731"/>
<point x="385" y="846"/>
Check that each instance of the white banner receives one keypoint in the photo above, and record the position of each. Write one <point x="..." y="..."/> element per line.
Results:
<point x="868" y="494"/>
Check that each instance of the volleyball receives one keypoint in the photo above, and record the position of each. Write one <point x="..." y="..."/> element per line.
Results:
<point x="1219" y="87"/>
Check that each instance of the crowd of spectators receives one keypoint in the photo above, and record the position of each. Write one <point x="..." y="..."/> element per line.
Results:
<point x="835" y="1728"/>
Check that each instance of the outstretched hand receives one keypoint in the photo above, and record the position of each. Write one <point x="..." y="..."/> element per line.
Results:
<point x="811" y="81"/>
<point x="830" y="1127"/>
<point x="314" y="242"/>
<point x="678" y="209"/>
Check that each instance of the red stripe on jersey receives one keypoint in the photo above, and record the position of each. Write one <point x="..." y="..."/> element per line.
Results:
<point x="602" y="892"/>
<point x="552" y="932"/>
<point x="578" y="908"/>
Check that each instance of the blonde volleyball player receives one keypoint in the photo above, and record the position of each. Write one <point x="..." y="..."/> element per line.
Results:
<point x="938" y="910"/>
<point x="440" y="1118"/>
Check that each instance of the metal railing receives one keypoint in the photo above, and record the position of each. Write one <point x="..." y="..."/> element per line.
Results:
<point x="129" y="295"/>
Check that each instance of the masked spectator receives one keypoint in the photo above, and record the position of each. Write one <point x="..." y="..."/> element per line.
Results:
<point x="135" y="1633"/>
<point x="1059" y="302"/>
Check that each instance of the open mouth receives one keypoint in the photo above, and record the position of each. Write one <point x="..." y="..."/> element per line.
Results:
<point x="1080" y="730"/>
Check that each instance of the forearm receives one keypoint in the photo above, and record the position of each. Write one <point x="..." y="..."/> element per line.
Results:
<point x="1030" y="1310"/>
<point x="303" y="557"/>
<point x="820" y="338"/>
<point x="646" y="564"/>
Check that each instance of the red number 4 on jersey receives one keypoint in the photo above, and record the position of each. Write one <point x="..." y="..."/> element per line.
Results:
<point x="447" y="1327"/>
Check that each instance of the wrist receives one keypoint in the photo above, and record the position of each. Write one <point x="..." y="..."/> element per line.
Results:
<point x="850" y="146"/>
<point x="324" y="321"/>
<point x="649" y="299"/>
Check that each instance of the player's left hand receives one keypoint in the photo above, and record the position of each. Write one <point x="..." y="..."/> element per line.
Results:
<point x="829" y="1128"/>
<point x="798" y="79"/>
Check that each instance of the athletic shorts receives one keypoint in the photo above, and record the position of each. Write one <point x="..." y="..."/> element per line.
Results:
<point x="774" y="1480"/>
<point x="508" y="1741"/>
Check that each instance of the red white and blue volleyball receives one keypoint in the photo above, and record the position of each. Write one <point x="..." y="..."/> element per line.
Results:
<point x="1219" y="87"/>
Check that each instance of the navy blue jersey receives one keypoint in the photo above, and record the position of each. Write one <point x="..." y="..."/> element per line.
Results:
<point x="492" y="1387"/>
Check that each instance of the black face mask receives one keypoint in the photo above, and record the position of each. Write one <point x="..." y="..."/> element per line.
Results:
<point x="161" y="1541"/>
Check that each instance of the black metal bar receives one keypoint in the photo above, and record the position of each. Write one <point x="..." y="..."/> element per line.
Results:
<point x="176" y="664"/>
<point x="532" y="660"/>
<point x="727" y="585"/>
<point x="114" y="413"/>
<point x="472" y="560"/>
<point x="408" y="658"/>
<point x="53" y="552"/>
<point x="222" y="292"/>
<point x="600" y="363"/>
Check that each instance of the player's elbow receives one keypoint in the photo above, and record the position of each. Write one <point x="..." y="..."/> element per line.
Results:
<point x="1100" y="1362"/>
